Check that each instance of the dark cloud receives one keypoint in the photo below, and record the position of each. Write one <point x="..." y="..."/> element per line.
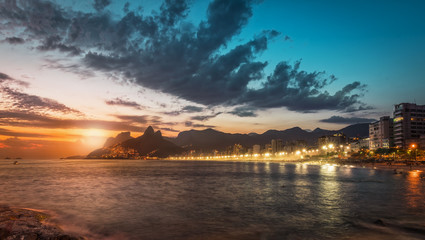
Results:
<point x="125" y="103"/>
<point x="135" y="118"/>
<point x="54" y="43"/>
<point x="126" y="8"/>
<point x="196" y="125"/>
<point x="6" y="78"/>
<point x="40" y="18"/>
<point x="23" y="101"/>
<point x="244" y="112"/>
<point x="99" y="5"/>
<point x="155" y="121"/>
<point x="360" y="107"/>
<point x="301" y="91"/>
<point x="185" y="109"/>
<point x="205" y="117"/>
<point x="14" y="40"/>
<point x="71" y="68"/>
<point x="347" y="120"/>
<point x="164" y="52"/>
<point x="169" y="129"/>
<point x="192" y="109"/>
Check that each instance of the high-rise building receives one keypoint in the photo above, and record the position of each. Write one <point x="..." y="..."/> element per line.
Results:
<point x="381" y="133"/>
<point x="409" y="124"/>
<point x="277" y="145"/>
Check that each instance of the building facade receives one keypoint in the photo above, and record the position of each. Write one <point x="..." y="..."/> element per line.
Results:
<point x="381" y="133"/>
<point x="359" y="144"/>
<point x="409" y="124"/>
<point x="256" y="149"/>
<point x="336" y="139"/>
<point x="277" y="145"/>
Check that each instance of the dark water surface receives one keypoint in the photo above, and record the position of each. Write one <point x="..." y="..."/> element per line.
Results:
<point x="136" y="199"/>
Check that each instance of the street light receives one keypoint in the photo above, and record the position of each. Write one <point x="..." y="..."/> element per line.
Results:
<point x="413" y="146"/>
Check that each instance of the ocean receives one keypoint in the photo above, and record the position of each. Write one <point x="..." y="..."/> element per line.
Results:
<point x="156" y="199"/>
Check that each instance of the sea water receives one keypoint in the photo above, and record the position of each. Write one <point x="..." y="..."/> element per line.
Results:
<point x="137" y="199"/>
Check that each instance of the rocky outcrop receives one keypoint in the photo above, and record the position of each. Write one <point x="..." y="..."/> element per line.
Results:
<point x="150" y="145"/>
<point x="24" y="224"/>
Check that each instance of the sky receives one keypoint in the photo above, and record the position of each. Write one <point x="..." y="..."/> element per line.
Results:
<point x="73" y="73"/>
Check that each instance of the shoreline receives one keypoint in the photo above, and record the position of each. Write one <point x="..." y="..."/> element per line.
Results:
<point x="25" y="223"/>
<point x="341" y="163"/>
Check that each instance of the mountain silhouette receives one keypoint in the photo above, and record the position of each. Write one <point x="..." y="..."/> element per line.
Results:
<point x="150" y="144"/>
<point x="210" y="139"/>
<point x="118" y="139"/>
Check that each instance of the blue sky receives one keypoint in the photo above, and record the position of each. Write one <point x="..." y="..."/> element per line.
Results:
<point x="102" y="69"/>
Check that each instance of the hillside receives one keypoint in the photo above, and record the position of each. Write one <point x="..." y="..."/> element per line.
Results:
<point x="209" y="139"/>
<point x="150" y="144"/>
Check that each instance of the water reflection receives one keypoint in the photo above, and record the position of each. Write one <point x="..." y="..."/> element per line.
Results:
<point x="203" y="200"/>
<point x="415" y="186"/>
<point x="329" y="200"/>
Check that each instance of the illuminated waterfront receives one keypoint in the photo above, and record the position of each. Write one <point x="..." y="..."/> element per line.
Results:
<point x="136" y="199"/>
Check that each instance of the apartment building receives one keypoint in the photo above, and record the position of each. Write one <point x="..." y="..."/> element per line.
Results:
<point x="409" y="124"/>
<point x="381" y="133"/>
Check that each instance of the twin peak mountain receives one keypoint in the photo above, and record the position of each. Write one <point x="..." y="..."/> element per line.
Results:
<point x="152" y="145"/>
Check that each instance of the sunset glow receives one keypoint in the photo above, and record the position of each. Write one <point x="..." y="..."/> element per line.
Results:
<point x="73" y="75"/>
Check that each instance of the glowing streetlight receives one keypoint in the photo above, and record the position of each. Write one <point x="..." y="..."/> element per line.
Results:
<point x="413" y="146"/>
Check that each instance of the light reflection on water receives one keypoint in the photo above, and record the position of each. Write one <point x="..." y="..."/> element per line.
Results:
<point x="137" y="199"/>
<point x="415" y="188"/>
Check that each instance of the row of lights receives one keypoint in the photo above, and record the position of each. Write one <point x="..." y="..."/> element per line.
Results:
<point x="256" y="155"/>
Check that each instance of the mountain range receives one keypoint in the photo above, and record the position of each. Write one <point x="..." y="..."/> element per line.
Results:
<point x="153" y="144"/>
<point x="210" y="139"/>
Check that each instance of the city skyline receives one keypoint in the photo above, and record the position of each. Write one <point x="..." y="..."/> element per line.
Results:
<point x="74" y="73"/>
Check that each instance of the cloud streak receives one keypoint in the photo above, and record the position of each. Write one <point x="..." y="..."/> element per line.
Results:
<point x="25" y="119"/>
<point x="23" y="101"/>
<point x="347" y="120"/>
<point x="244" y="112"/>
<point x="205" y="117"/>
<point x="125" y="103"/>
<point x="14" y="40"/>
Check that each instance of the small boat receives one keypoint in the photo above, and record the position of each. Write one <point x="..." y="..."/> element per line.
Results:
<point x="15" y="163"/>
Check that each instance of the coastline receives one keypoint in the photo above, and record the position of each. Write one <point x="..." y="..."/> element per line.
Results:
<point x="338" y="162"/>
<point x="23" y="223"/>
